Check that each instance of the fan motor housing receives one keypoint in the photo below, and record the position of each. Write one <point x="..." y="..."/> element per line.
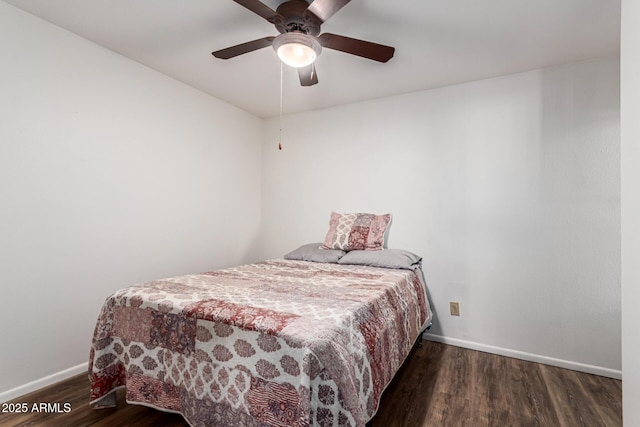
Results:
<point x="295" y="17"/>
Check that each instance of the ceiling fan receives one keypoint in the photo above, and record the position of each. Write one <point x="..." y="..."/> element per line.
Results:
<point x="299" y="42"/>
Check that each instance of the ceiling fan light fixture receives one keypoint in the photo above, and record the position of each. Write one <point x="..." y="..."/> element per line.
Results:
<point x="297" y="49"/>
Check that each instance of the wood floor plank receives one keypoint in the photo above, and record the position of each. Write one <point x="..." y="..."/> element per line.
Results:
<point x="497" y="379"/>
<point x="604" y="396"/>
<point x="438" y="385"/>
<point x="569" y="398"/>
<point x="537" y="395"/>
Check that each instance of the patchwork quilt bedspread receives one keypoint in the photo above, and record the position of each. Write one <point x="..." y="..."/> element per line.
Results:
<point x="276" y="343"/>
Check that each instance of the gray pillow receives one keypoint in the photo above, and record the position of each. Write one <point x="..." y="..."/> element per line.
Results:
<point x="386" y="258"/>
<point x="313" y="252"/>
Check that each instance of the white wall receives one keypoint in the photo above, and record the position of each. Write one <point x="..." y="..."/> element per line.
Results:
<point x="630" y="159"/>
<point x="110" y="174"/>
<point x="508" y="187"/>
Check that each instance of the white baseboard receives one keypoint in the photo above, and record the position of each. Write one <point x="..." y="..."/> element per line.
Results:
<point x="5" y="396"/>
<point x="576" y="366"/>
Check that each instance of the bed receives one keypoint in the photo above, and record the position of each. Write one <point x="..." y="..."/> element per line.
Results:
<point x="283" y="342"/>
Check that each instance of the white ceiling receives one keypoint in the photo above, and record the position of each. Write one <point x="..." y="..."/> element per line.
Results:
<point x="438" y="43"/>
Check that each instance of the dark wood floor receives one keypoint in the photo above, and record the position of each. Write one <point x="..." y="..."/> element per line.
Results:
<point x="442" y="385"/>
<point x="439" y="385"/>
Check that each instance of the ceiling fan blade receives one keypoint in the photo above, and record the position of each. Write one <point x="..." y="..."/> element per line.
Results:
<point x="308" y="76"/>
<point x="233" y="51"/>
<point x="259" y="8"/>
<point x="369" y="50"/>
<point x="325" y="9"/>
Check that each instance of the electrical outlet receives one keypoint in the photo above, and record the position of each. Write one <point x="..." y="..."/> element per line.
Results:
<point x="454" y="307"/>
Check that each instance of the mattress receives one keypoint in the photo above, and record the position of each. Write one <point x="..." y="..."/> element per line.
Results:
<point x="274" y="343"/>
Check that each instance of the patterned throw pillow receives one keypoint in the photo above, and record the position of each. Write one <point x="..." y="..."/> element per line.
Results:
<point x="356" y="231"/>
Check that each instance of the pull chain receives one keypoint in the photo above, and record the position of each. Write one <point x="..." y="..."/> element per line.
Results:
<point x="280" y="135"/>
